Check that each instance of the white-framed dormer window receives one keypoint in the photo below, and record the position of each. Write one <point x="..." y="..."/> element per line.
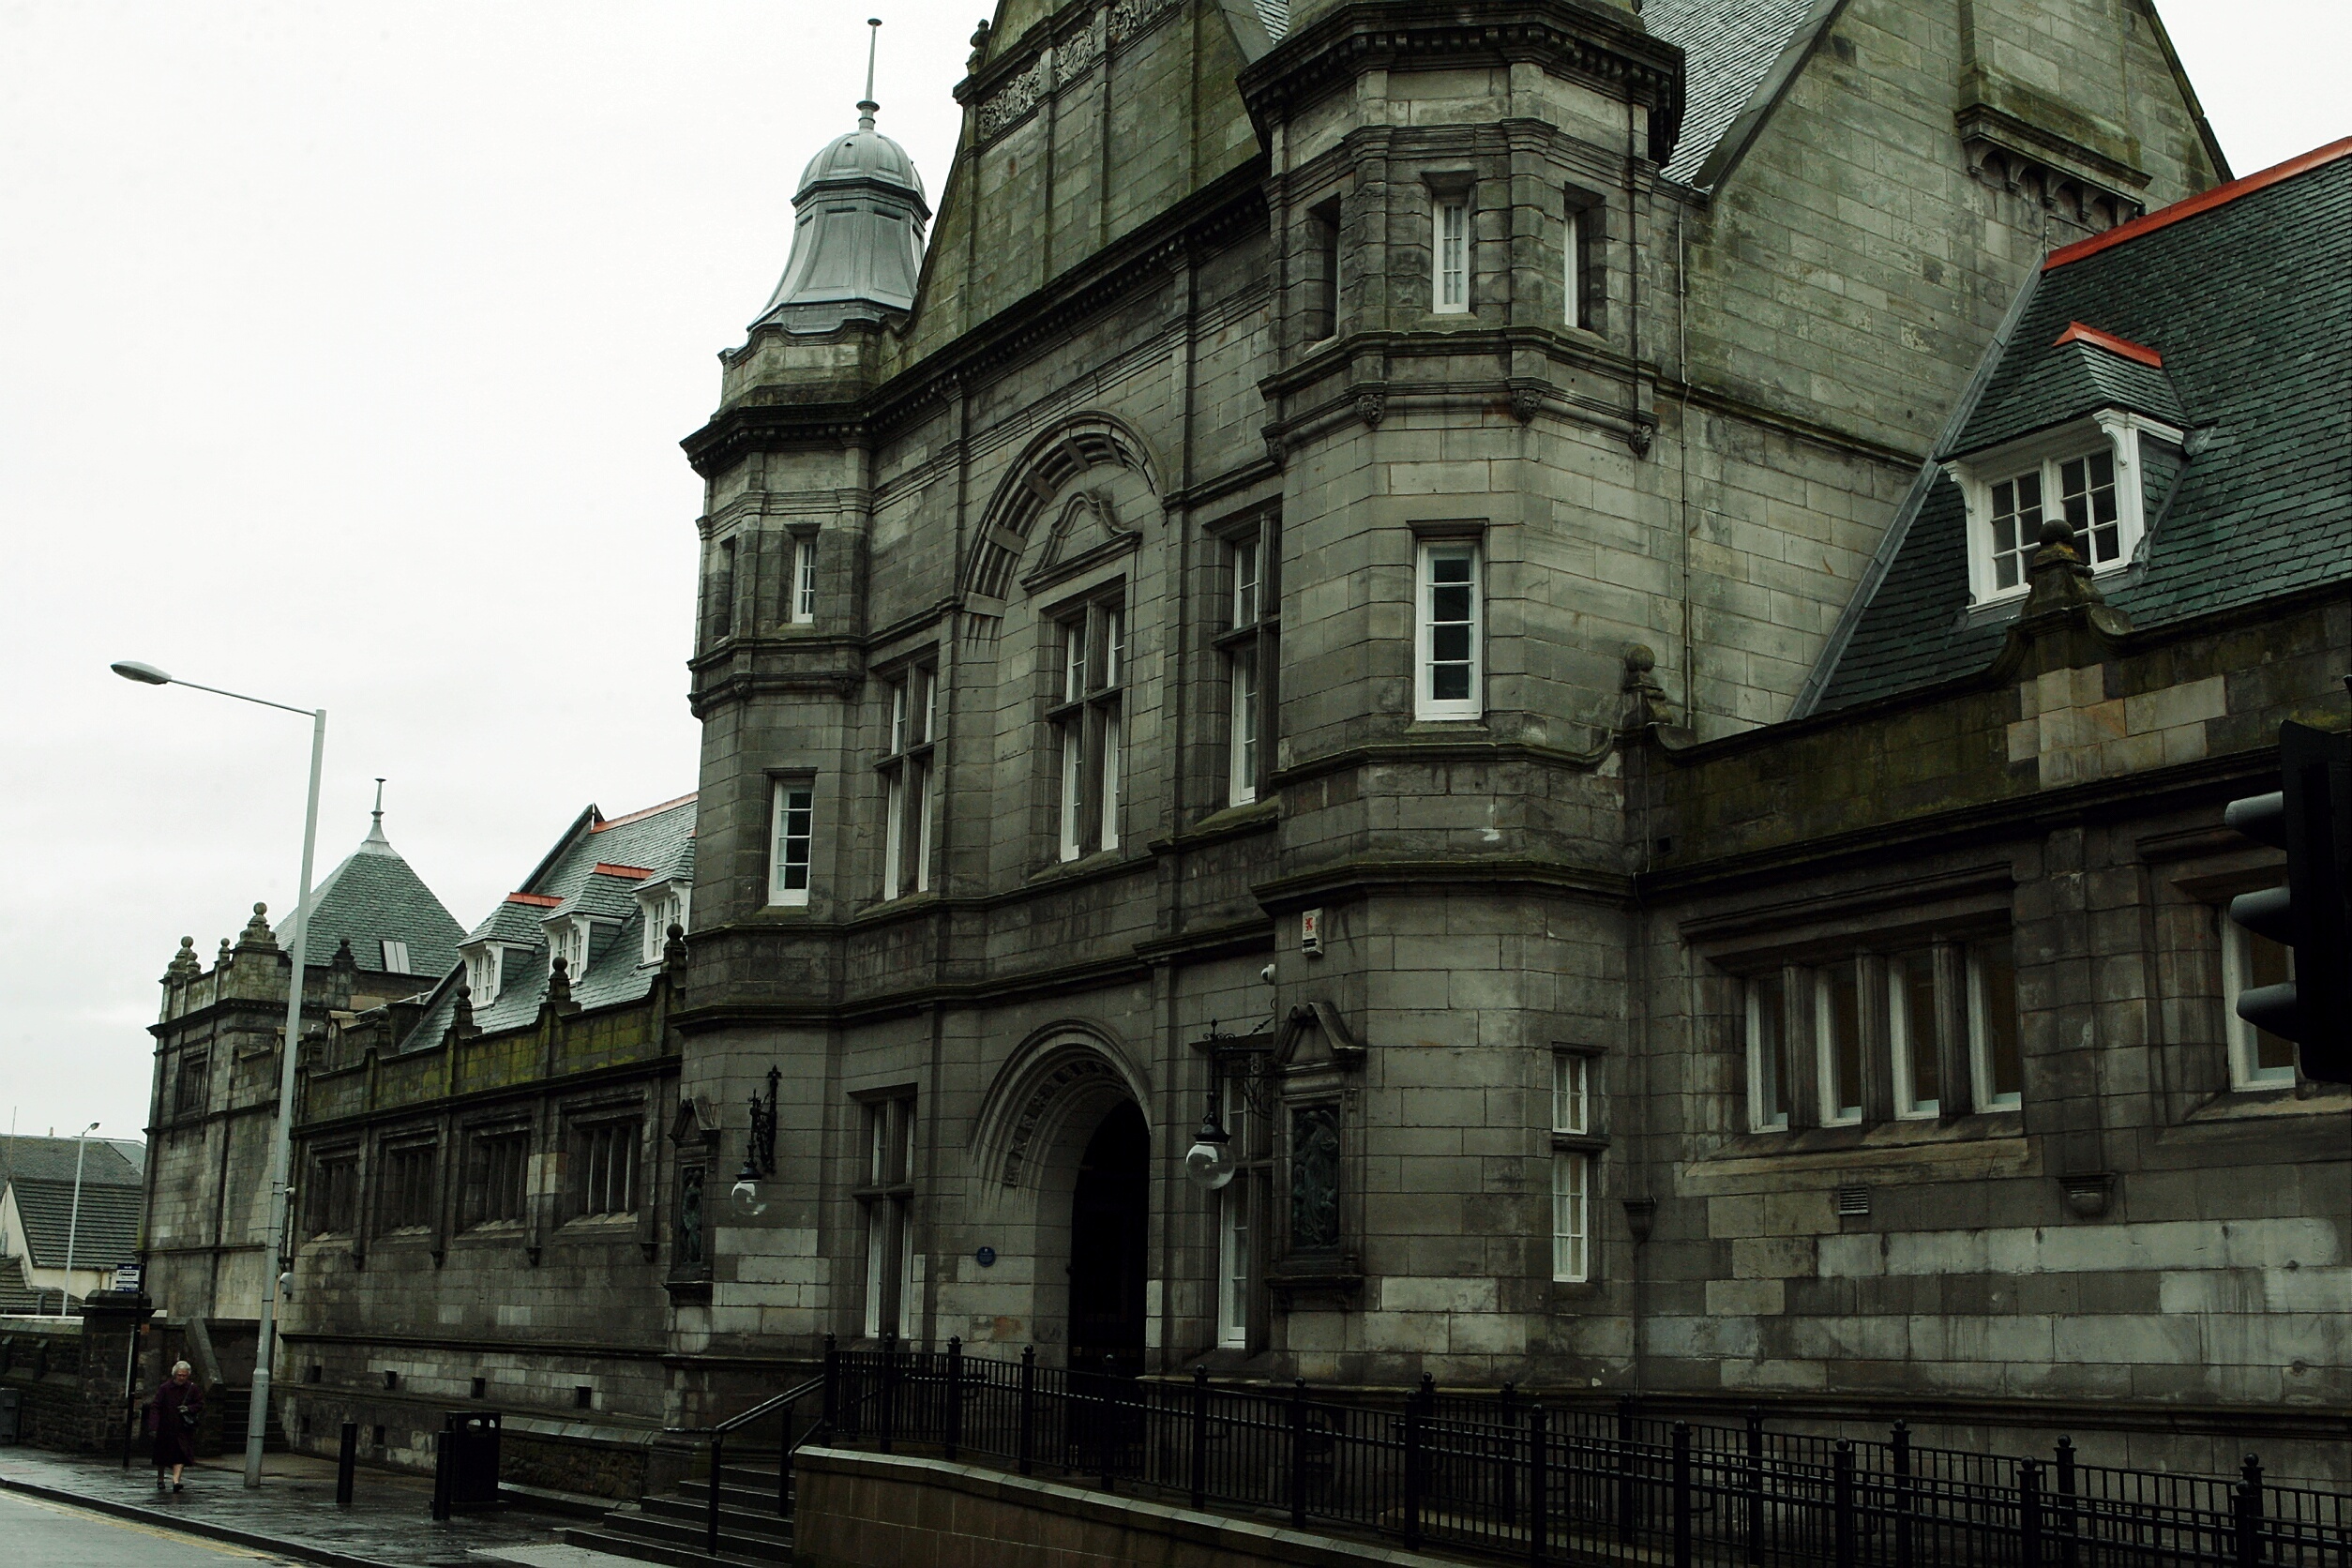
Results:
<point x="2087" y="471"/>
<point x="662" y="905"/>
<point x="2258" y="1058"/>
<point x="1450" y="253"/>
<point x="485" y="970"/>
<point x="395" y="956"/>
<point x="800" y="593"/>
<point x="1448" y="661"/>
<point x="791" y="839"/>
<point x="570" y="938"/>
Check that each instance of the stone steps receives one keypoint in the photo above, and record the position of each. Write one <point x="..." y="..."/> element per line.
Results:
<point x="670" y="1529"/>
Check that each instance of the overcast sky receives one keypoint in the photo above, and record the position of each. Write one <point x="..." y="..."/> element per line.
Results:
<point x="345" y="353"/>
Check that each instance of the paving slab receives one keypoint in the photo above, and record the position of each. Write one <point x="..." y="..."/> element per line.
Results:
<point x="293" y="1513"/>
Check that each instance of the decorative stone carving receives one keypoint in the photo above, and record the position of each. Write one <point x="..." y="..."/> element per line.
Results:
<point x="1076" y="1070"/>
<point x="1371" y="404"/>
<point x="1076" y="55"/>
<point x="1011" y="101"/>
<point x="1130" y="17"/>
<point x="1639" y="437"/>
<point x="1315" y="1179"/>
<point x="1526" y="401"/>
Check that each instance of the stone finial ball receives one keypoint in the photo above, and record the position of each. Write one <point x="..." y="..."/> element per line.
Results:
<point x="1639" y="659"/>
<point x="2057" y="531"/>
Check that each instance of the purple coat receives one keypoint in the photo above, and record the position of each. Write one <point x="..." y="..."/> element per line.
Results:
<point x="172" y="1422"/>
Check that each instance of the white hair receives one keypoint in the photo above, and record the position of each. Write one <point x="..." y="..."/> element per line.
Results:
<point x="180" y="1367"/>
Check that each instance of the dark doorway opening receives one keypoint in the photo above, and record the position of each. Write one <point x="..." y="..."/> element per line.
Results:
<point x="1110" y="1222"/>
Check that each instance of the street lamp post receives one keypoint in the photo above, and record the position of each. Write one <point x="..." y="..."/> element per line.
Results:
<point x="74" y="1216"/>
<point x="281" y="1145"/>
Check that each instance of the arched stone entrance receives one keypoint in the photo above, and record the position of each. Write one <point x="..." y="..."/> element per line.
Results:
<point x="1110" y="1222"/>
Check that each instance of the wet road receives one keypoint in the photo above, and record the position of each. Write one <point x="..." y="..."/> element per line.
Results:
<point x="42" y="1534"/>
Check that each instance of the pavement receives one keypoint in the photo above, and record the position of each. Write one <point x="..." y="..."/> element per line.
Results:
<point x="290" y="1518"/>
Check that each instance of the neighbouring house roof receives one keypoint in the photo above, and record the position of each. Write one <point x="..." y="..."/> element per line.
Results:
<point x="373" y="895"/>
<point x="2243" y="292"/>
<point x="111" y="1163"/>
<point x="104" y="1232"/>
<point x="595" y="870"/>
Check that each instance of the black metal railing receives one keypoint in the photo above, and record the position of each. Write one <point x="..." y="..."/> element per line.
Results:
<point x="783" y="1409"/>
<point x="1512" y="1477"/>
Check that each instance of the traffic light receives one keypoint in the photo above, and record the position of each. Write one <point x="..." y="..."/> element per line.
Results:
<point x="2311" y="819"/>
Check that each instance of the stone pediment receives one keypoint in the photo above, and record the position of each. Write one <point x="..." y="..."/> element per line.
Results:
<point x="1085" y="533"/>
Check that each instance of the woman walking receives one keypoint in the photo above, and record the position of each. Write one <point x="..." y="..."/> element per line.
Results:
<point x="172" y="1419"/>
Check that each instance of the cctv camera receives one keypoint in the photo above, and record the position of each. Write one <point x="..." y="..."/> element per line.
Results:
<point x="1267" y="974"/>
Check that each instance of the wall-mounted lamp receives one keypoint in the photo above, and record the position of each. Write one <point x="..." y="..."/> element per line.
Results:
<point x="759" y="1148"/>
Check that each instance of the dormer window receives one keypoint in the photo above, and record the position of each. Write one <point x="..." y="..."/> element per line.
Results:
<point x="663" y="905"/>
<point x="567" y="938"/>
<point x="2087" y="471"/>
<point x="485" y="966"/>
<point x="395" y="956"/>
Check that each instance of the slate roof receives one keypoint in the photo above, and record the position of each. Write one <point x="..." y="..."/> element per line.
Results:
<point x="2066" y="383"/>
<point x="375" y="895"/>
<point x="659" y="840"/>
<point x="17" y="1299"/>
<point x="110" y="1163"/>
<point x="105" y="1232"/>
<point x="1728" y="48"/>
<point x="2246" y="290"/>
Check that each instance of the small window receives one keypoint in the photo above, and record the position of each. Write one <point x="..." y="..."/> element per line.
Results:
<point x="606" y="1156"/>
<point x="2017" y="528"/>
<point x="1571" y="1071"/>
<point x="1993" y="1046"/>
<point x="334" y="1196"/>
<point x="395" y="956"/>
<point x="1088" y="722"/>
<point x="1235" y="1201"/>
<point x="404" y="1195"/>
<point x="193" y="1091"/>
<point x="794" y="834"/>
<point x="1580" y="267"/>
<point x="1247" y="644"/>
<point x="1910" y="1034"/>
<point x="1451" y="254"/>
<point x="908" y="771"/>
<point x="887" y="1197"/>
<point x="1837" y="1013"/>
<point x="485" y="969"/>
<point x="2087" y="491"/>
<point x="662" y="909"/>
<point x="1447" y="677"/>
<point x="496" y="1177"/>
<point x="1572" y="1215"/>
<point x="2258" y="1058"/>
<point x="1323" y="278"/>
<point x="723" y="591"/>
<point x="801" y="591"/>
<point x="1767" y="1054"/>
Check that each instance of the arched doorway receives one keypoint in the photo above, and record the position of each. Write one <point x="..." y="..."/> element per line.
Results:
<point x="1110" y="1214"/>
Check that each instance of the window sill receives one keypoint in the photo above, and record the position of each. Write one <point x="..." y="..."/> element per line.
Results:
<point x="493" y="1231"/>
<point x="2263" y="1102"/>
<point x="598" y="1228"/>
<point x="1830" y="1146"/>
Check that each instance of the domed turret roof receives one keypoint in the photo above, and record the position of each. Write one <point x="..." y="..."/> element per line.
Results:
<point x="857" y="233"/>
<point x="864" y="156"/>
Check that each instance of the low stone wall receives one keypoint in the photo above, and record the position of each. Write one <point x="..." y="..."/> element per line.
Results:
<point x="854" y="1510"/>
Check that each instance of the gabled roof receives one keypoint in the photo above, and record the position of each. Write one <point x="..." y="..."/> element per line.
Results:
<point x="595" y="869"/>
<point x="2071" y="377"/>
<point x="2246" y="290"/>
<point x="375" y="896"/>
<point x="104" y="1231"/>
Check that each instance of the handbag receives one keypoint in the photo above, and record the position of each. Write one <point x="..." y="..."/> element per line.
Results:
<point x="189" y="1416"/>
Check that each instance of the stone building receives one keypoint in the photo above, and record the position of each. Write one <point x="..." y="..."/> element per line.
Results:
<point x="379" y="934"/>
<point x="1439" y="506"/>
<point x="500" y="1192"/>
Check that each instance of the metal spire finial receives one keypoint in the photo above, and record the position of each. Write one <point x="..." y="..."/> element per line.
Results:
<point x="375" y="832"/>
<point x="867" y="106"/>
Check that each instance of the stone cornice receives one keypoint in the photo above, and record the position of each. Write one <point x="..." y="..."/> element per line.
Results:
<point x="1611" y="51"/>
